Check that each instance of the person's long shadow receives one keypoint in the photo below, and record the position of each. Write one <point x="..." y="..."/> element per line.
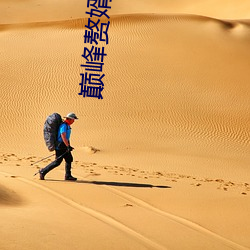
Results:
<point x="122" y="184"/>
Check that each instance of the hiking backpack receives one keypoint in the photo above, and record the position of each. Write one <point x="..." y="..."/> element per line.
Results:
<point x="50" y="130"/>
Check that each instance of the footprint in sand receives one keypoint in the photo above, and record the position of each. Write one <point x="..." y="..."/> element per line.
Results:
<point x="128" y="205"/>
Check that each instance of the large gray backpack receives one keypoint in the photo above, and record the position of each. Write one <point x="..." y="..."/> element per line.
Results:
<point x="50" y="130"/>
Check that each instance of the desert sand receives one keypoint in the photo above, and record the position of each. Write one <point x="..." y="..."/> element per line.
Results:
<point x="162" y="160"/>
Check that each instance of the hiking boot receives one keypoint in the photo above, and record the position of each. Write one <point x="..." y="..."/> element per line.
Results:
<point x="41" y="175"/>
<point x="70" y="178"/>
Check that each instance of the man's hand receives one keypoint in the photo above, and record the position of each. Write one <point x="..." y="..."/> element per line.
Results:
<point x="69" y="148"/>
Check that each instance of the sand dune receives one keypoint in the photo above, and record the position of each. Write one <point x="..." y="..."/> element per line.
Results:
<point x="162" y="161"/>
<point x="199" y="110"/>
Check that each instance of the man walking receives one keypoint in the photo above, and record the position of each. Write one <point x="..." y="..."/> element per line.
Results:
<point x="63" y="150"/>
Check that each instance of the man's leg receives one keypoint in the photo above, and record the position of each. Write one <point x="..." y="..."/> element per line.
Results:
<point x="52" y="165"/>
<point x="68" y="160"/>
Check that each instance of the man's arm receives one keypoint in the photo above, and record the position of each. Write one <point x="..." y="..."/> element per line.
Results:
<point x="66" y="142"/>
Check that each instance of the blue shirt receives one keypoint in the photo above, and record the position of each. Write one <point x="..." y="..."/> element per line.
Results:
<point x="64" y="128"/>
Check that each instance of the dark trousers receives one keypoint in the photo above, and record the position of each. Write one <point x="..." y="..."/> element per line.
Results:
<point x="67" y="156"/>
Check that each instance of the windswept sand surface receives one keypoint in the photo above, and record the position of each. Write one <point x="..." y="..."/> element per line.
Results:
<point x="162" y="161"/>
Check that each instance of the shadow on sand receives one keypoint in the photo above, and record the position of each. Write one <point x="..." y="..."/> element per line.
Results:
<point x="116" y="184"/>
<point x="122" y="184"/>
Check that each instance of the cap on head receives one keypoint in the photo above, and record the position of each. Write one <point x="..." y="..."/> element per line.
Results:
<point x="71" y="116"/>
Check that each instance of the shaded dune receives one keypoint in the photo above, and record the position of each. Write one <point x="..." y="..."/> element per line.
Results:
<point x="9" y="198"/>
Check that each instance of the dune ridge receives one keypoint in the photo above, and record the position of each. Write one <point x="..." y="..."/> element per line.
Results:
<point x="143" y="17"/>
